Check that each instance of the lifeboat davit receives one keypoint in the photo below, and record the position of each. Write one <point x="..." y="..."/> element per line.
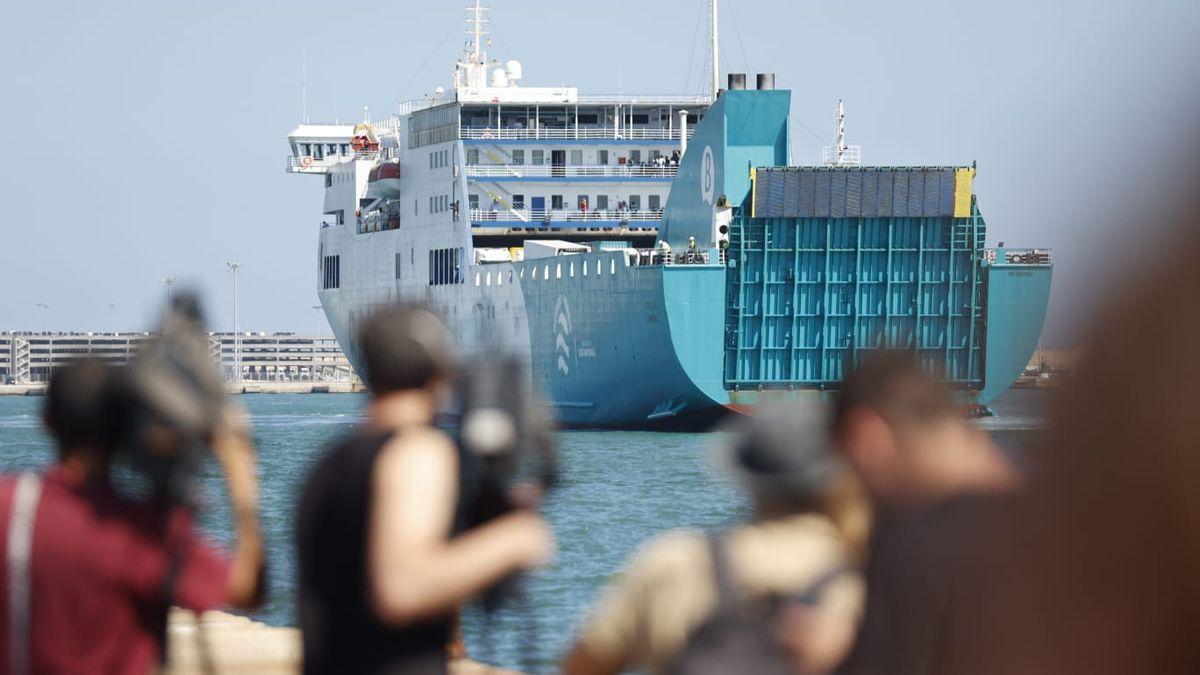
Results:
<point x="384" y="181"/>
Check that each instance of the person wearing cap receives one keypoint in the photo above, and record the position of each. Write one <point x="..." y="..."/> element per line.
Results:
<point x="381" y="577"/>
<point x="807" y="524"/>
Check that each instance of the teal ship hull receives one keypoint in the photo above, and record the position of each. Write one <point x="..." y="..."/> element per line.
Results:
<point x="806" y="283"/>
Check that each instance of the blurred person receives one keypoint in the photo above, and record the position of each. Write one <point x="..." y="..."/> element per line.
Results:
<point x="90" y="572"/>
<point x="941" y="493"/>
<point x="381" y="574"/>
<point x="690" y="603"/>
<point x="1104" y="580"/>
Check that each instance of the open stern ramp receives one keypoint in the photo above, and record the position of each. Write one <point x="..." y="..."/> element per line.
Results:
<point x="828" y="263"/>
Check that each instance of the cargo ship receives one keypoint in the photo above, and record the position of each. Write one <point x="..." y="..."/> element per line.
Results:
<point x="656" y="260"/>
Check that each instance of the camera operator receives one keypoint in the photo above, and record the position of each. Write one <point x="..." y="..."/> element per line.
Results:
<point x="90" y="572"/>
<point x="381" y="574"/>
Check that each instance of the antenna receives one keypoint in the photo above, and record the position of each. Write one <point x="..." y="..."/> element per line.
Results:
<point x="304" y="83"/>
<point x="841" y="154"/>
<point x="716" y="71"/>
<point x="471" y="71"/>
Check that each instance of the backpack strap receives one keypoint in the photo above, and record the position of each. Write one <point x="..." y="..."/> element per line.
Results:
<point x="718" y="552"/>
<point x="25" y="498"/>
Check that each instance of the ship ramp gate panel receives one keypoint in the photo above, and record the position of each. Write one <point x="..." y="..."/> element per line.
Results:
<point x="828" y="263"/>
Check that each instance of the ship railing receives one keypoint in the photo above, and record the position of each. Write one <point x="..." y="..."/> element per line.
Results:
<point x="300" y="163"/>
<point x="564" y="215"/>
<point x="590" y="171"/>
<point x="565" y="133"/>
<point x="411" y="106"/>
<point x="1022" y="256"/>
<point x="670" y="258"/>
<point x="650" y="99"/>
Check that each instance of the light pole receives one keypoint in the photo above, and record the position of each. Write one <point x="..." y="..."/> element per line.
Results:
<point x="112" y="312"/>
<point x="235" y="268"/>
<point x="169" y="282"/>
<point x="317" y="321"/>
<point x="44" y="307"/>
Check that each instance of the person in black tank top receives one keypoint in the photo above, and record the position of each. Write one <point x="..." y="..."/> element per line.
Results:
<point x="380" y="577"/>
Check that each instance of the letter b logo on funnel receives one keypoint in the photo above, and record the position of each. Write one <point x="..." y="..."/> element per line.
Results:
<point x="708" y="176"/>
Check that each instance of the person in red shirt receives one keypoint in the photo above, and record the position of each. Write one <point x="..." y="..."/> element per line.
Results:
<point x="103" y="569"/>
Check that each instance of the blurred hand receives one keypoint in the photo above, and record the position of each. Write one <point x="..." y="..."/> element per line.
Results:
<point x="531" y="538"/>
<point x="232" y="448"/>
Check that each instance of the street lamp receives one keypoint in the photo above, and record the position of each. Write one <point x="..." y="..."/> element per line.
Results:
<point x="235" y="268"/>
<point x="112" y="311"/>
<point x="317" y="321"/>
<point x="43" y="306"/>
<point x="169" y="282"/>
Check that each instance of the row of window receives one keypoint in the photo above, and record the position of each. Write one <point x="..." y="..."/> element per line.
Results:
<point x="445" y="266"/>
<point x="439" y="204"/>
<point x="582" y="203"/>
<point x="485" y="278"/>
<point x="323" y="150"/>
<point x="439" y="159"/>
<point x="331" y="272"/>
<point x="572" y="157"/>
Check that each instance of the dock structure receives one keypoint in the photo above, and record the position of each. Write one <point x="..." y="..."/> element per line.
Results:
<point x="30" y="358"/>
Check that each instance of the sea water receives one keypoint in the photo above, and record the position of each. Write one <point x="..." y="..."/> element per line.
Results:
<point x="617" y="490"/>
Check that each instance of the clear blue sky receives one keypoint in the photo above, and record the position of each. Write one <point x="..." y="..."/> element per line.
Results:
<point x="142" y="140"/>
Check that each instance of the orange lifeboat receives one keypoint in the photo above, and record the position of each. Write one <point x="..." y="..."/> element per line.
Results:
<point x="384" y="181"/>
<point x="364" y="139"/>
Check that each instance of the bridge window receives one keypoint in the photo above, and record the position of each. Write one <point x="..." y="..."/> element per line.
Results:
<point x="306" y="149"/>
<point x="445" y="266"/>
<point x="331" y="272"/>
<point x="345" y="148"/>
<point x="518" y="157"/>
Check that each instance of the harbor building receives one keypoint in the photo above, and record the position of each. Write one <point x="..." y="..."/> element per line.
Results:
<point x="32" y="357"/>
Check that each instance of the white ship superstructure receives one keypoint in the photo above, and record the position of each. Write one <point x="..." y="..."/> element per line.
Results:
<point x="453" y="186"/>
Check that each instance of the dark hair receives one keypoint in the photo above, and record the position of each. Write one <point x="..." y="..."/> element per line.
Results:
<point x="402" y="347"/>
<point x="892" y="383"/>
<point x="81" y="407"/>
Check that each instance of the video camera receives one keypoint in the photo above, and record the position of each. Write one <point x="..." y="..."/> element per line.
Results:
<point x="505" y="439"/>
<point x="172" y="400"/>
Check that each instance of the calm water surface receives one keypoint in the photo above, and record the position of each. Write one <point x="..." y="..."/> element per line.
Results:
<point x="618" y="489"/>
